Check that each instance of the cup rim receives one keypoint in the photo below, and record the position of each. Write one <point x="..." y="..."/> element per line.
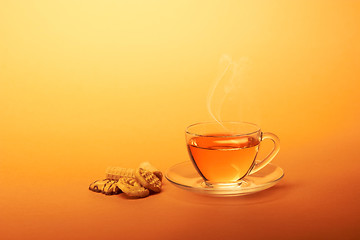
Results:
<point x="221" y="136"/>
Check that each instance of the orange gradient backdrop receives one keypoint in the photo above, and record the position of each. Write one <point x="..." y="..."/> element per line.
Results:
<point x="90" y="84"/>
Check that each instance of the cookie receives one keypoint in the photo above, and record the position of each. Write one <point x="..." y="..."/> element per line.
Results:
<point x="148" y="180"/>
<point x="149" y="167"/>
<point x="111" y="188"/>
<point x="98" y="185"/>
<point x="105" y="186"/>
<point x="131" y="187"/>
<point x="114" y="173"/>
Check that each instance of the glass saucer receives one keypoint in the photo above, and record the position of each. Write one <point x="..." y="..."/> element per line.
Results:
<point x="184" y="176"/>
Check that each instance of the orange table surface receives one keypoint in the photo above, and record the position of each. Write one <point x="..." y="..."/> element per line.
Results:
<point x="317" y="199"/>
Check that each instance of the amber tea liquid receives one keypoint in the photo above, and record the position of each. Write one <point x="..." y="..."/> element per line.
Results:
<point x="220" y="158"/>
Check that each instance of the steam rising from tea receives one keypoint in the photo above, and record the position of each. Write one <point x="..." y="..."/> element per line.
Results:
<point x="229" y="79"/>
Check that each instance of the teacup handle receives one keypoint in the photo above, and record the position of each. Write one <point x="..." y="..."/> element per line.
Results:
<point x="271" y="155"/>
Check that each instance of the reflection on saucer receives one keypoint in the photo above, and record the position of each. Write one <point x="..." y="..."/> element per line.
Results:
<point x="184" y="175"/>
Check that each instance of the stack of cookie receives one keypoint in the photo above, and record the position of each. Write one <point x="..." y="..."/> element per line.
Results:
<point x="134" y="183"/>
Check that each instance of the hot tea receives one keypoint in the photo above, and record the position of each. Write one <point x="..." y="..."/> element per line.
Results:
<point x="223" y="158"/>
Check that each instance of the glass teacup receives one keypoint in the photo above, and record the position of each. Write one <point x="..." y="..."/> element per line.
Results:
<point x="224" y="153"/>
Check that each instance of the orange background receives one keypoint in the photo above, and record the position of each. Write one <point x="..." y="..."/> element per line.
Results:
<point x="90" y="84"/>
